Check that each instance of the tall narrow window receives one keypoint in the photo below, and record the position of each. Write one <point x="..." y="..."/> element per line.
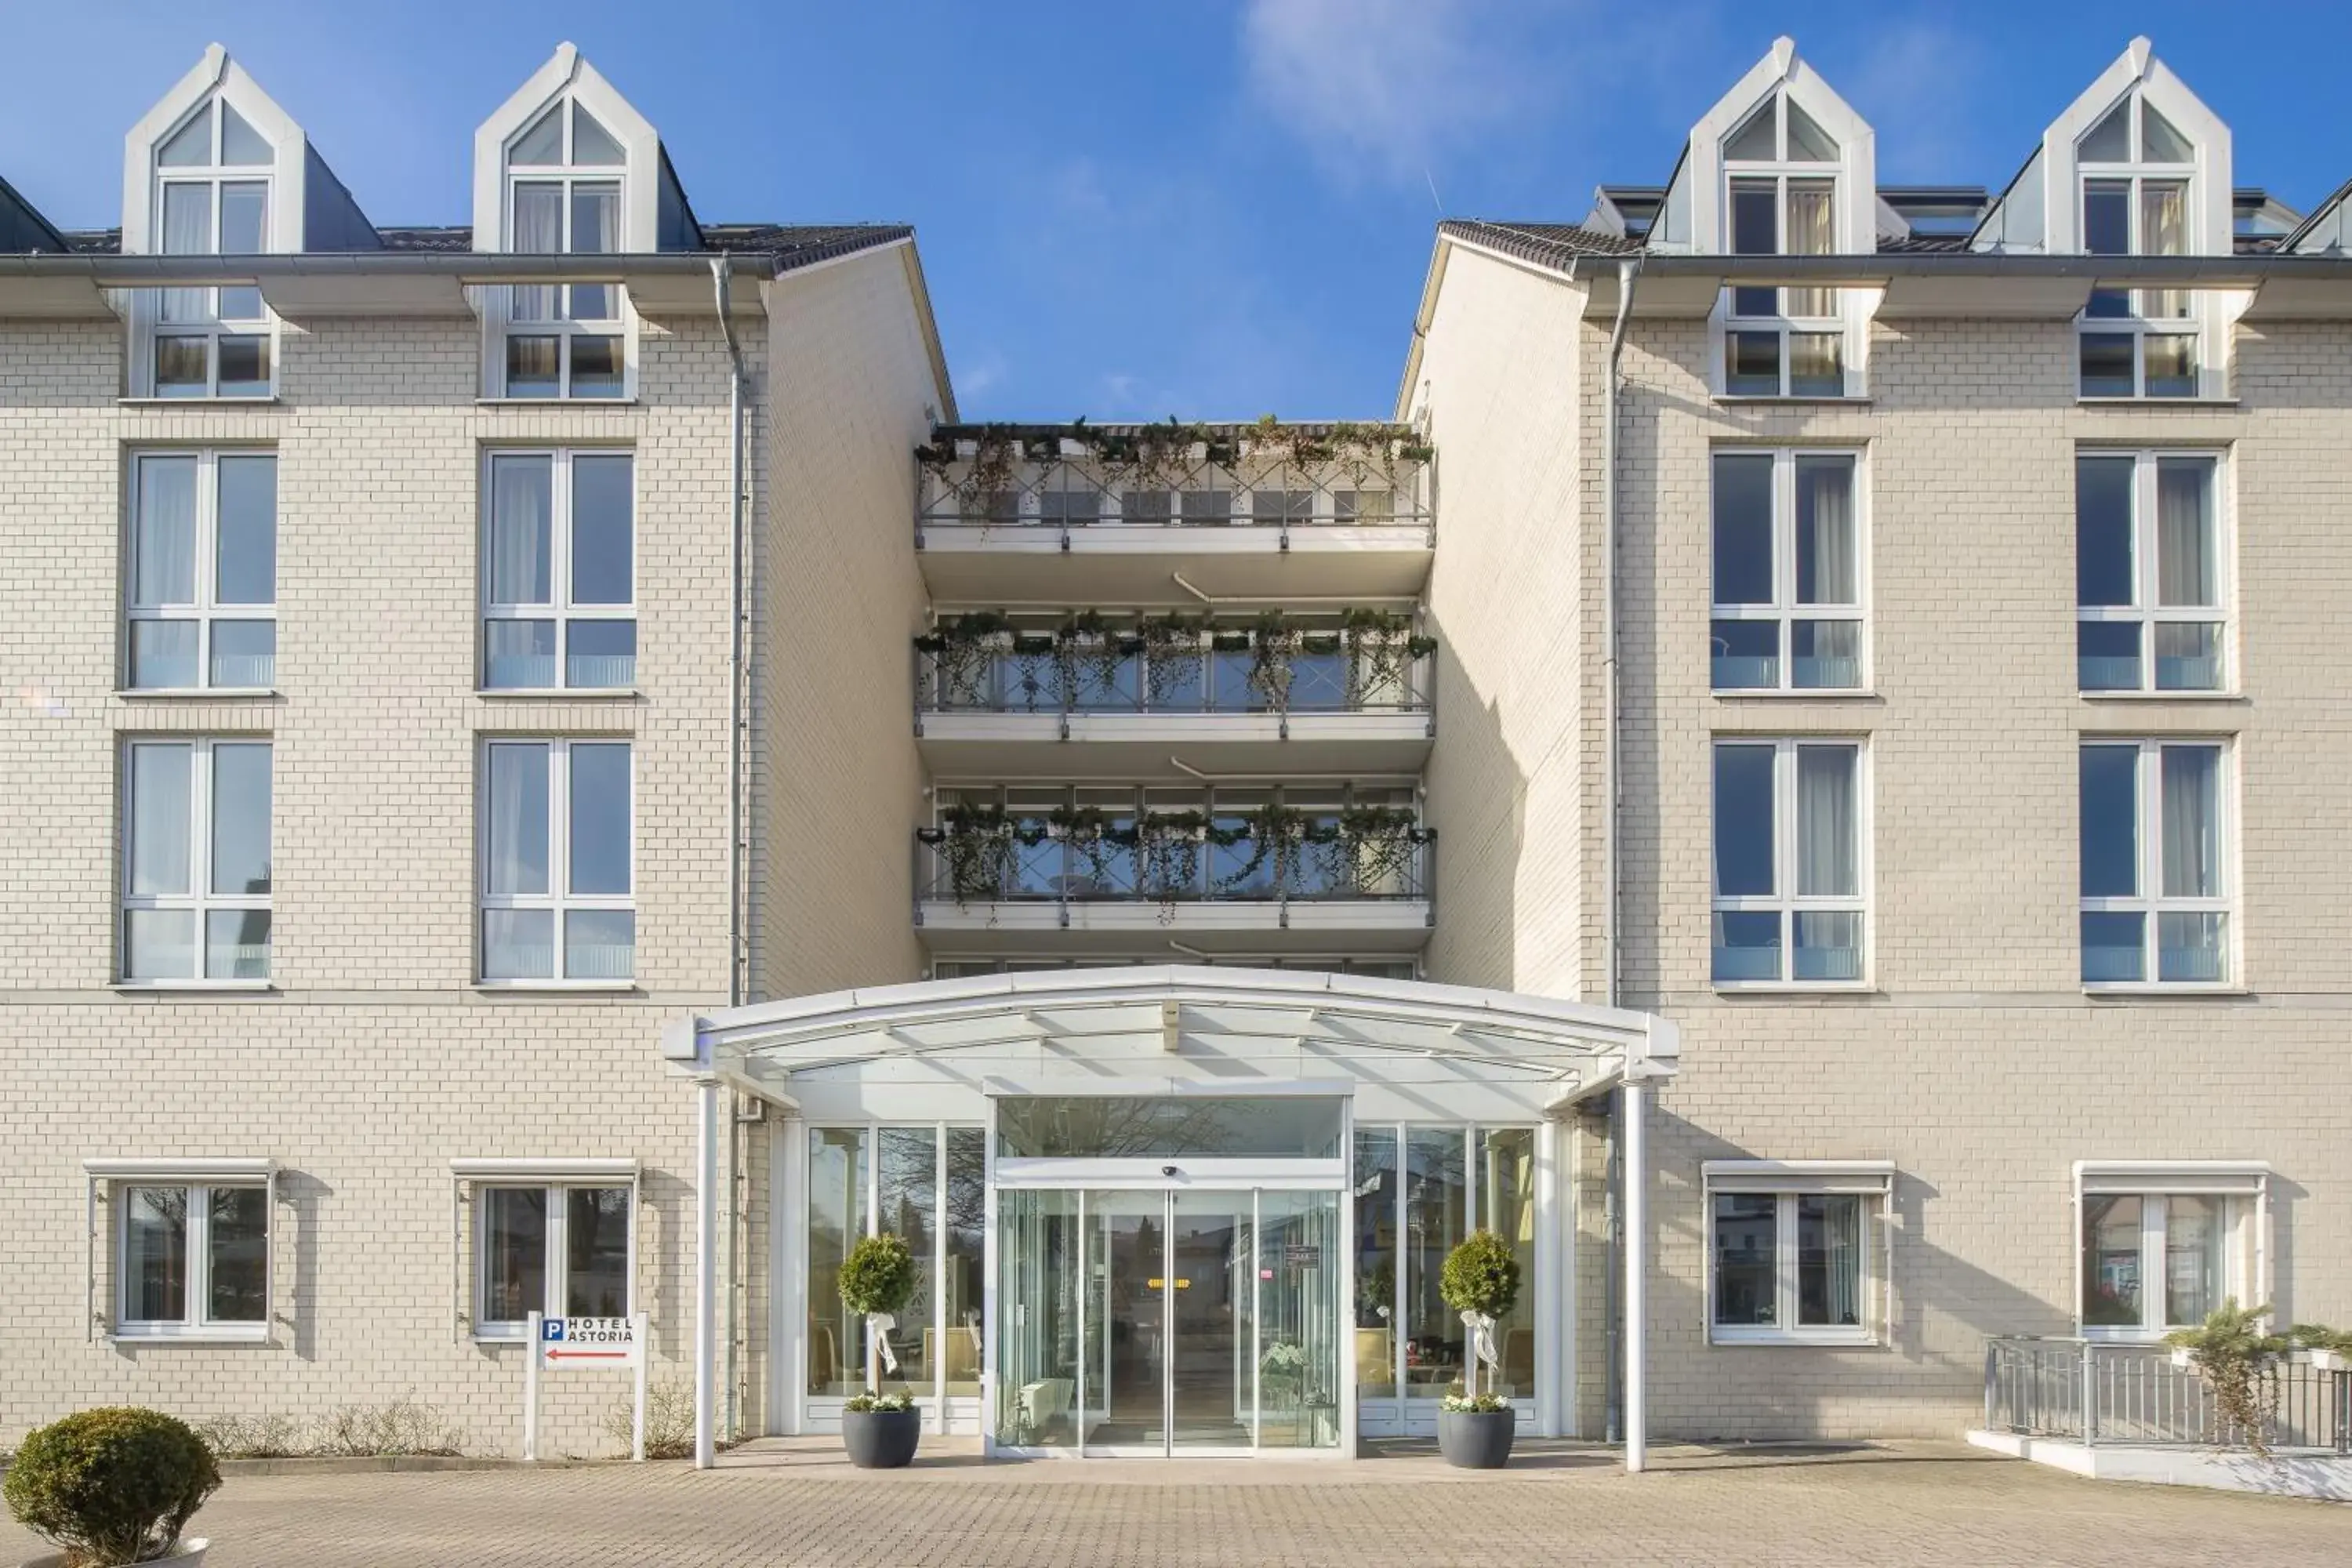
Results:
<point x="1788" y="899"/>
<point x="212" y="195"/>
<point x="2156" y="894"/>
<point x="566" y="176"/>
<point x="1780" y="199"/>
<point x="1788" y="572"/>
<point x="2138" y="175"/>
<point x="201" y="583"/>
<point x="2148" y="566"/>
<point x="192" y="1260"/>
<point x="559" y="571"/>
<point x="196" y="861"/>
<point x="558" y="899"/>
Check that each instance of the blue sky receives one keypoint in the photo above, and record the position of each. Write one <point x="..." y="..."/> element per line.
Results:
<point x="1213" y="208"/>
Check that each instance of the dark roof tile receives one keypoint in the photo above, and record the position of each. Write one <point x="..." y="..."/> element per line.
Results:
<point x="791" y="245"/>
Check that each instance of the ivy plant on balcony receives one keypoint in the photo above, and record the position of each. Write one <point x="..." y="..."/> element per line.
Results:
<point x="1162" y="456"/>
<point x="981" y="844"/>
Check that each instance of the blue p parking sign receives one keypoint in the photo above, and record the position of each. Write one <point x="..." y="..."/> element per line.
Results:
<point x="551" y="1329"/>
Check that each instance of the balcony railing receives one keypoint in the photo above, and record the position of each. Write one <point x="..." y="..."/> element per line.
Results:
<point x="1274" y="477"/>
<point x="1129" y="674"/>
<point x="2094" y="1391"/>
<point x="1275" y="857"/>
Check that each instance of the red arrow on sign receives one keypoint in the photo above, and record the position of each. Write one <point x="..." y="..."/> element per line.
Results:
<point x="587" y="1355"/>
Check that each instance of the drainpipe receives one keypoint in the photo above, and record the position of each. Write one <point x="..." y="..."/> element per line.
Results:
<point x="706" y="1371"/>
<point x="1628" y="273"/>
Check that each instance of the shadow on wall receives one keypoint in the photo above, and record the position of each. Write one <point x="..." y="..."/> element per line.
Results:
<point x="1478" y="800"/>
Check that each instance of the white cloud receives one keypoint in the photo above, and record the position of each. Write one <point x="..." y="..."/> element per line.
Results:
<point x="1387" y="86"/>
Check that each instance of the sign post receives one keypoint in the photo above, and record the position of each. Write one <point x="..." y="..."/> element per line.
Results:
<point x="568" y="1344"/>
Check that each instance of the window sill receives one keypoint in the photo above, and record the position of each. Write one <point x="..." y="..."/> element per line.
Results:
<point x="257" y="1334"/>
<point x="2162" y="696"/>
<point x="1793" y="988"/>
<point x="265" y="401"/>
<point x="198" y="987"/>
<point x="555" y="987"/>
<point x="559" y="693"/>
<point x="1798" y="693"/>
<point x="555" y="402"/>
<point x="1821" y="1339"/>
<point x="2160" y="989"/>
<point x="195" y="693"/>
<point x="2156" y="402"/>
<point x="1845" y="399"/>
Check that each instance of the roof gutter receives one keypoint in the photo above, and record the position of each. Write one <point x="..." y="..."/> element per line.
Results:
<point x="2175" y="271"/>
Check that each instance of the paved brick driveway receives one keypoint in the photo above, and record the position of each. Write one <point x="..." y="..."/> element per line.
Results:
<point x="1907" y="1504"/>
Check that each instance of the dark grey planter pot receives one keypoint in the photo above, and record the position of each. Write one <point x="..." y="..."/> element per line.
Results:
<point x="1476" y="1439"/>
<point x="881" y="1439"/>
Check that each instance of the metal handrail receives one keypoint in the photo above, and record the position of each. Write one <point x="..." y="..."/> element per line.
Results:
<point x="1206" y="681"/>
<point x="2128" y="1393"/>
<point x="1063" y="871"/>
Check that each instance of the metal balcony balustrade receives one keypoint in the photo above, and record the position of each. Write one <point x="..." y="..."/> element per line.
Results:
<point x="2096" y="1392"/>
<point x="1276" y="477"/>
<point x="1127" y="675"/>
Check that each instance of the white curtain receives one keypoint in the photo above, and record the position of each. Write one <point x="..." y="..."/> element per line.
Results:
<point x="159" y="820"/>
<point x="1825" y="540"/>
<point x="596" y="231"/>
<point x="2164" y="231"/>
<point x="1811" y="232"/>
<point x="188" y="231"/>
<point x="518" y="826"/>
<point x="521" y="530"/>
<point x="1841" y="1242"/>
<point x="1826" y="822"/>
<point x="537" y="231"/>
<point x="2191" y="828"/>
<point x="2184" y="534"/>
<point x="164" y="547"/>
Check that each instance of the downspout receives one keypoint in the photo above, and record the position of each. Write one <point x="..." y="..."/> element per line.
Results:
<point x="721" y="276"/>
<point x="1629" y="271"/>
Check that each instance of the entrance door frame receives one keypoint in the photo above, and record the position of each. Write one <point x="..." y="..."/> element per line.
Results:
<point x="1152" y="1174"/>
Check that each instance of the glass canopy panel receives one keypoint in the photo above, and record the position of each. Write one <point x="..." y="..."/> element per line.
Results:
<point x="1120" y="1126"/>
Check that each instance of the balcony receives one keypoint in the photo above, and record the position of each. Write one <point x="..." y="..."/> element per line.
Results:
<point x="1105" y="869"/>
<point x="1112" y="514"/>
<point x="997" y="697"/>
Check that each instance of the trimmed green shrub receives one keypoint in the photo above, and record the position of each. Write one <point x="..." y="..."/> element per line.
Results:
<point x="1481" y="1276"/>
<point x="2238" y="1356"/>
<point x="878" y="1276"/>
<point x="111" y="1486"/>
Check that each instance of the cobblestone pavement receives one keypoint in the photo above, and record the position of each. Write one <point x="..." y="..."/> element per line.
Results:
<point x="1900" y="1504"/>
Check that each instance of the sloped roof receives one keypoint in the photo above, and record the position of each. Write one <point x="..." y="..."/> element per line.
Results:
<point x="791" y="245"/>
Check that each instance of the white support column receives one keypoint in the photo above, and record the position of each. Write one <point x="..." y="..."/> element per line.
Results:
<point x="1630" y="1101"/>
<point x="706" y="1273"/>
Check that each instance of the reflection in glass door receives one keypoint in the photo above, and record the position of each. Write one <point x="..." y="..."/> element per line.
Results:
<point x="1211" y="1392"/>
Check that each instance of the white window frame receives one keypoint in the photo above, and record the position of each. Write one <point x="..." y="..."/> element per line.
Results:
<point x="107" y="1181"/>
<point x="2149" y="798"/>
<point x="1780" y="171"/>
<point x="558" y="898"/>
<point x="2144" y="611"/>
<point x="214" y="175"/>
<point x="1785" y="901"/>
<point x="559" y="607"/>
<point x="2138" y="325"/>
<point x="1786" y="1181"/>
<point x="2243" y="1187"/>
<point x="560" y="324"/>
<point x="205" y="607"/>
<point x="199" y="899"/>
<point x="1784" y="609"/>
<point x="473" y="1179"/>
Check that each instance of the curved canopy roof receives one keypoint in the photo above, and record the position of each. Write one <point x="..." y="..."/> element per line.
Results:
<point x="1403" y="1048"/>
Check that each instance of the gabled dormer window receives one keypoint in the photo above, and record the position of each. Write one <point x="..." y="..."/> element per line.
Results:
<point x="2137" y="175"/>
<point x="211" y="196"/>
<point x="566" y="175"/>
<point x="1780" y="174"/>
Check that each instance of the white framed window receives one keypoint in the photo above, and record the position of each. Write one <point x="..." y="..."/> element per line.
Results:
<point x="2162" y="1243"/>
<point x="212" y="195"/>
<point x="1788" y="871"/>
<point x="1780" y="172"/>
<point x="201" y="581"/>
<point x="562" y="1247"/>
<point x="2137" y="175"/>
<point x="1787" y="572"/>
<point x="564" y="182"/>
<point x="192" y="1258"/>
<point x="559" y="570"/>
<point x="196" y="861"/>
<point x="1794" y="1251"/>
<point x="558" y="861"/>
<point x="2151" y="565"/>
<point x="2156" y="863"/>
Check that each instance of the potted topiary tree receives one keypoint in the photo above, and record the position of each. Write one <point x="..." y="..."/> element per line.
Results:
<point x="877" y="1281"/>
<point x="1481" y="1281"/>
<point x="113" y="1486"/>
